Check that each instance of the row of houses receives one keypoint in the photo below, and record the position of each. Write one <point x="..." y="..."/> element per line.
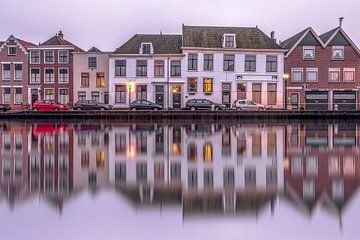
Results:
<point x="222" y="64"/>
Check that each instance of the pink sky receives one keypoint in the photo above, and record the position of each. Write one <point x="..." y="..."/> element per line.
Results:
<point x="106" y="24"/>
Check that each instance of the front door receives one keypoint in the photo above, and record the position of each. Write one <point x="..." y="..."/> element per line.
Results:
<point x="176" y="96"/>
<point x="34" y="95"/>
<point x="294" y="99"/>
<point x="159" y="95"/>
<point x="226" y="94"/>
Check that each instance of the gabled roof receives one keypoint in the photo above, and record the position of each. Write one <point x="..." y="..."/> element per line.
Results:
<point x="93" y="50"/>
<point x="211" y="37"/>
<point x="326" y="36"/>
<point x="59" y="40"/>
<point x="22" y="43"/>
<point x="162" y="44"/>
<point x="290" y="42"/>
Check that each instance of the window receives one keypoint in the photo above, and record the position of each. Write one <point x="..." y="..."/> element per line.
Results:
<point x="120" y="93"/>
<point x="146" y="48"/>
<point x="208" y="85"/>
<point x="334" y="74"/>
<point x="309" y="53"/>
<point x="35" y="75"/>
<point x="311" y="166"/>
<point x="49" y="75"/>
<point x="349" y="166"/>
<point x="18" y="71"/>
<point x="208" y="62"/>
<point x="141" y="68"/>
<point x="250" y="177"/>
<point x="11" y="51"/>
<point x="271" y="63"/>
<point x="95" y="96"/>
<point x="175" y="68"/>
<point x="337" y="189"/>
<point x="120" y="172"/>
<point x="81" y="96"/>
<point x="250" y="63"/>
<point x="349" y="74"/>
<point x="308" y="189"/>
<point x="120" y="68"/>
<point x="49" y="94"/>
<point x="6" y="73"/>
<point x="208" y="178"/>
<point x="192" y="61"/>
<point x="192" y="152"/>
<point x="63" y="56"/>
<point x="229" y="177"/>
<point x="141" y="92"/>
<point x="229" y="41"/>
<point x="208" y="152"/>
<point x="63" y="75"/>
<point x="64" y="95"/>
<point x="92" y="62"/>
<point x="256" y="92"/>
<point x="35" y="57"/>
<point x="241" y="91"/>
<point x="159" y="68"/>
<point x="338" y="53"/>
<point x="84" y="79"/>
<point x="49" y="56"/>
<point x="271" y="98"/>
<point x="192" y="178"/>
<point x="334" y="166"/>
<point x="100" y="79"/>
<point x="296" y="75"/>
<point x="192" y="85"/>
<point x="311" y="74"/>
<point x="6" y="95"/>
<point x="18" y="95"/>
<point x="229" y="62"/>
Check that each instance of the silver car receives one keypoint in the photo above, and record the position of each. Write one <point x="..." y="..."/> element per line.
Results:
<point x="244" y="104"/>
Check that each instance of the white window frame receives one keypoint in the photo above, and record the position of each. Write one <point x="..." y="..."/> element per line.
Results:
<point x="39" y="76"/>
<point x="68" y="56"/>
<point x="68" y="95"/>
<point x="229" y="35"/>
<point x="312" y="70"/>
<point x="68" y="75"/>
<point x="3" y="95"/>
<point x="8" y="48"/>
<point x="15" y="78"/>
<point x="14" y="92"/>
<point x="305" y="48"/>
<point x="334" y="48"/>
<point x="46" y="95"/>
<point x="2" y="69"/>
<point x="38" y="51"/>
<point x="292" y="74"/>
<point x="53" y="52"/>
<point x="146" y="43"/>
<point x="53" y="81"/>
<point x="334" y="70"/>
<point x="349" y="70"/>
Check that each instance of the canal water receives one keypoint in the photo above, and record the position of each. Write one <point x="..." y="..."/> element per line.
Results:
<point x="228" y="180"/>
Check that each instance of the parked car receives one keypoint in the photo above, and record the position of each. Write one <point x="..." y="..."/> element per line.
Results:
<point x="48" y="105"/>
<point x="91" y="105"/>
<point x="5" y="107"/>
<point x="203" y="104"/>
<point x="245" y="104"/>
<point x="144" y="105"/>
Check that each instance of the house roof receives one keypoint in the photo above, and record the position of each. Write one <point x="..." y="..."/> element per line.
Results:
<point x="59" y="40"/>
<point x="326" y="36"/>
<point x="93" y="50"/>
<point x="211" y="37"/>
<point x="290" y="42"/>
<point x="162" y="44"/>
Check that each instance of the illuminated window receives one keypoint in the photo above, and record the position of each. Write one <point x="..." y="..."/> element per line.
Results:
<point x="49" y="93"/>
<point x="192" y="85"/>
<point x="208" y="152"/>
<point x="100" y="79"/>
<point x="100" y="159"/>
<point x="349" y="166"/>
<point x="349" y="74"/>
<point x="208" y="85"/>
<point x="334" y="166"/>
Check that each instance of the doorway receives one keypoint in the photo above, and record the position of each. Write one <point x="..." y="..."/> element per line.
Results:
<point x="159" y="94"/>
<point x="176" y="89"/>
<point x="226" y="94"/>
<point x="34" y="95"/>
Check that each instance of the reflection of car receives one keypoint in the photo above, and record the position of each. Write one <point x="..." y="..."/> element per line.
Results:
<point x="48" y="105"/>
<point x="49" y="129"/>
<point x="5" y="107"/>
<point x="203" y="104"/>
<point x="91" y="105"/>
<point x="244" y="104"/>
<point x="144" y="105"/>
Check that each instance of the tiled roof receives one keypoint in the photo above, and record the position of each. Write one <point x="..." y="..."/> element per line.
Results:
<point x="25" y="44"/>
<point x="290" y="42"/>
<point x="211" y="37"/>
<point x="325" y="37"/>
<point x="162" y="44"/>
<point x="59" y="40"/>
<point x="93" y="50"/>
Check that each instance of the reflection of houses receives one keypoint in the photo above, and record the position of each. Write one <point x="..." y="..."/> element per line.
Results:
<point x="322" y="165"/>
<point x="91" y="154"/>
<point x="197" y="163"/>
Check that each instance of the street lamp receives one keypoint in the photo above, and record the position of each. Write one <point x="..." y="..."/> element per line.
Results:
<point x="130" y="87"/>
<point x="286" y="78"/>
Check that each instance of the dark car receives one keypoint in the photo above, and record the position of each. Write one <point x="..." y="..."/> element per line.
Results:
<point x="203" y="104"/>
<point x="91" y="105"/>
<point x="144" y="105"/>
<point x="4" y="107"/>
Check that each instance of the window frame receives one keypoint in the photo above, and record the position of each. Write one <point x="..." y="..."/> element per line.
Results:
<point x="271" y="65"/>
<point x="53" y="77"/>
<point x="353" y="70"/>
<point x="121" y="67"/>
<point x="83" y="76"/>
<point x="159" y="68"/>
<point x="334" y="70"/>
<point x="192" y="61"/>
<point x="100" y="76"/>
<point x="38" y="57"/>
<point x="225" y="41"/>
<point x="91" y="64"/>
<point x="309" y="48"/>
<point x="2" y="73"/>
<point x="297" y="69"/>
<point x="174" y="68"/>
<point x="11" y="47"/>
<point x="39" y="78"/>
<point x="227" y="62"/>
<point x="53" y="56"/>
<point x="59" y="75"/>
<point x="211" y="89"/>
<point x="208" y="62"/>
<point x="67" y="56"/>
<point x="141" y="68"/>
<point x="250" y="62"/>
<point x="336" y="48"/>
<point x="193" y="89"/>
<point x="308" y="70"/>
<point x="21" y="77"/>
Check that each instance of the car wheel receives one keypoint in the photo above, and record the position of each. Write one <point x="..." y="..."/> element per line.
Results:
<point x="260" y="109"/>
<point x="239" y="108"/>
<point x="36" y="109"/>
<point x="102" y="109"/>
<point x="133" y="109"/>
<point x="217" y="108"/>
<point x="78" y="109"/>
<point x="56" y="109"/>
<point x="155" y="109"/>
<point x="192" y="109"/>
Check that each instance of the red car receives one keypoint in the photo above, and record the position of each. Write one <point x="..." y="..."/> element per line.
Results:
<point x="48" y="105"/>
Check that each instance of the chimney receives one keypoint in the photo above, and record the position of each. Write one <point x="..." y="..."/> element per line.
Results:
<point x="60" y="34"/>
<point x="272" y="35"/>
<point x="341" y="21"/>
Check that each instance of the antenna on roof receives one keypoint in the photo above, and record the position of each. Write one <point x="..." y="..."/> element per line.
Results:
<point x="160" y="33"/>
<point x="341" y="21"/>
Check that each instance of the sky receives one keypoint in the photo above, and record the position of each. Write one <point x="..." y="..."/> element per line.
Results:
<point x="106" y="24"/>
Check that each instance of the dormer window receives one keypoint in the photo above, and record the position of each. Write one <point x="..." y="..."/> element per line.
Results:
<point x="229" y="41"/>
<point x="146" y="48"/>
<point x="338" y="53"/>
<point x="309" y="53"/>
<point x="11" y="51"/>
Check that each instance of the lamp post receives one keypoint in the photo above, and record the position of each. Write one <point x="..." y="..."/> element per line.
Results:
<point x="130" y="85"/>
<point x="285" y="77"/>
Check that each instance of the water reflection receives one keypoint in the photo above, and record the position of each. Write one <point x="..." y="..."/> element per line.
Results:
<point x="207" y="169"/>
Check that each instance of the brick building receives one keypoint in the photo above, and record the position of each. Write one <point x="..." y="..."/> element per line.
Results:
<point x="14" y="71"/>
<point x="323" y="71"/>
<point x="51" y="70"/>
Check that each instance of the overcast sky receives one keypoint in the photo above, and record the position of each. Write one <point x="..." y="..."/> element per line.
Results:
<point x="107" y="24"/>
